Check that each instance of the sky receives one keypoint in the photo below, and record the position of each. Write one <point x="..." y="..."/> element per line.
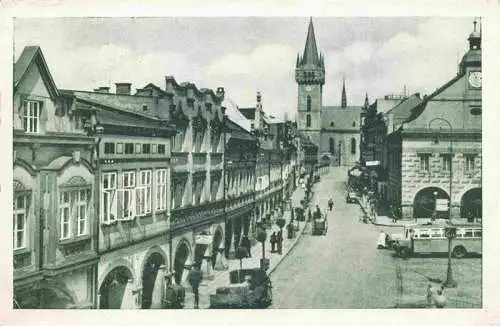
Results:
<point x="244" y="55"/>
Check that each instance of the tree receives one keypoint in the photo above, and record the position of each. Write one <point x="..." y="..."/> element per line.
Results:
<point x="241" y="252"/>
<point x="261" y="237"/>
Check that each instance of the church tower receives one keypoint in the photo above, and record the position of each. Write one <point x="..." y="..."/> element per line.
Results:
<point x="310" y="77"/>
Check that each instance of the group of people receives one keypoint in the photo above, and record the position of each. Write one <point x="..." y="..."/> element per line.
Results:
<point x="277" y="241"/>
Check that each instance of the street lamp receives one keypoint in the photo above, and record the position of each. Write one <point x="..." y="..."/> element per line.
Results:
<point x="450" y="233"/>
<point x="436" y="140"/>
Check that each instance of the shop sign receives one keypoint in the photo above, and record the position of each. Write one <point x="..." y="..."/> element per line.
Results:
<point x="372" y="163"/>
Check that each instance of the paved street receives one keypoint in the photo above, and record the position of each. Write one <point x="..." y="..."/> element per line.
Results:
<point x="342" y="269"/>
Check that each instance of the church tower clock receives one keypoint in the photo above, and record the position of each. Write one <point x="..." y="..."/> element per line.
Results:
<point x="310" y="77"/>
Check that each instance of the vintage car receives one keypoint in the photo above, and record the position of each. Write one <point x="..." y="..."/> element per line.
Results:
<point x="317" y="178"/>
<point x="247" y="288"/>
<point x="387" y="241"/>
<point x="352" y="197"/>
<point x="319" y="225"/>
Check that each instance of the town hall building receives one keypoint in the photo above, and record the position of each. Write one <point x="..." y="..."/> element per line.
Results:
<point x="334" y="129"/>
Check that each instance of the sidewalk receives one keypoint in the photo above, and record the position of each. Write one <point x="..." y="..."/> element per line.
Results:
<point x="221" y="278"/>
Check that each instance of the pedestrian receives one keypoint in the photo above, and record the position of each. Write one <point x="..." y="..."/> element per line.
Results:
<point x="429" y="295"/>
<point x="280" y="242"/>
<point x="246" y="243"/>
<point x="194" y="278"/>
<point x="273" y="242"/>
<point x="330" y="204"/>
<point x="440" y="299"/>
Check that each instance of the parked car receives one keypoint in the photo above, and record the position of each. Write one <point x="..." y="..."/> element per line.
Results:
<point x="242" y="294"/>
<point x="352" y="197"/>
<point x="317" y="178"/>
<point x="387" y="241"/>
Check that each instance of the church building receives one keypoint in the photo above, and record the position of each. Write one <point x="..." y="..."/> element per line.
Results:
<point x="334" y="129"/>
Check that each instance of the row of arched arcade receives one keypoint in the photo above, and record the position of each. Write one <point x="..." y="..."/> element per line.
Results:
<point x="424" y="204"/>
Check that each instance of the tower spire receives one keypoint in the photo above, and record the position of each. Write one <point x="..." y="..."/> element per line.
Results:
<point x="344" y="96"/>
<point x="366" y="100"/>
<point x="310" y="50"/>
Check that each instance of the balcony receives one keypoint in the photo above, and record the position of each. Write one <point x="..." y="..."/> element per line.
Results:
<point x="179" y="162"/>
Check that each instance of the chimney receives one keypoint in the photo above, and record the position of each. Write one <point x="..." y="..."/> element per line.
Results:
<point x="258" y="111"/>
<point x="102" y="89"/>
<point x="123" y="88"/>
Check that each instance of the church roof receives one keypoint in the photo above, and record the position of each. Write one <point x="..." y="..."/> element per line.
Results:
<point x="310" y="51"/>
<point x="347" y="118"/>
<point x="404" y="109"/>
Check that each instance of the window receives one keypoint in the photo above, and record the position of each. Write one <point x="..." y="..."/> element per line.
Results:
<point x="20" y="212"/>
<point x="109" y="148"/>
<point x="424" y="162"/>
<point x="127" y="193"/>
<point x="82" y="200"/>
<point x="353" y="146"/>
<point x="129" y="148"/>
<point x="119" y="148"/>
<point x="446" y="162"/>
<point x="109" y="205"/>
<point x="354" y="123"/>
<point x="146" y="148"/>
<point x="64" y="214"/>
<point x="31" y="116"/>
<point x="144" y="193"/>
<point x="161" y="149"/>
<point x="469" y="163"/>
<point x="154" y="148"/>
<point x="308" y="103"/>
<point x="308" y="120"/>
<point x="332" y="124"/>
<point x="138" y="148"/>
<point x="73" y="208"/>
<point x="161" y="189"/>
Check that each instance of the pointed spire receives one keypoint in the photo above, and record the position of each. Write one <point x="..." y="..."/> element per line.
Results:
<point x="344" y="96"/>
<point x="475" y="37"/>
<point x="310" y="50"/>
<point x="298" y="61"/>
<point x="366" y="100"/>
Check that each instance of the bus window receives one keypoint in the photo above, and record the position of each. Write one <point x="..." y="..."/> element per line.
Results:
<point x="468" y="233"/>
<point x="424" y="233"/>
<point x="436" y="233"/>
<point x="478" y="234"/>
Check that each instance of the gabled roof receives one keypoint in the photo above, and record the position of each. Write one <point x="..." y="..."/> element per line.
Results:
<point x="343" y="118"/>
<point x="33" y="55"/>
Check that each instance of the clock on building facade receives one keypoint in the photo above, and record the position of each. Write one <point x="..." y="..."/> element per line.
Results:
<point x="475" y="79"/>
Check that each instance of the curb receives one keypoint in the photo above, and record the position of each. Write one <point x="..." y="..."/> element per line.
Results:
<point x="271" y="270"/>
<point x="379" y="224"/>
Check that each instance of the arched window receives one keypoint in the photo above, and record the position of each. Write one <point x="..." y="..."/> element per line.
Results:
<point x="332" y="124"/>
<point x="308" y="103"/>
<point x="332" y="145"/>
<point x="353" y="146"/>
<point x="354" y="123"/>
<point x="308" y="120"/>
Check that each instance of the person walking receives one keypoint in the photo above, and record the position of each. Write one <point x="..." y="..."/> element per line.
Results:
<point x="245" y="242"/>
<point x="273" y="242"/>
<point x="280" y="242"/>
<point x="194" y="278"/>
<point x="330" y="204"/>
<point x="440" y="299"/>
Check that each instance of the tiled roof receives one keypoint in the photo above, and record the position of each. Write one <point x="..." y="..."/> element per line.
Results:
<point x="249" y="113"/>
<point x="343" y="118"/>
<point x="234" y="114"/>
<point x="238" y="132"/>
<point x="404" y="109"/>
<point x="126" y="103"/>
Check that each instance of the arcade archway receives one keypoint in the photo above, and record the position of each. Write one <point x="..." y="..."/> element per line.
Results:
<point x="181" y="255"/>
<point x="424" y="205"/>
<point x="149" y="275"/>
<point x="113" y="288"/>
<point x="471" y="205"/>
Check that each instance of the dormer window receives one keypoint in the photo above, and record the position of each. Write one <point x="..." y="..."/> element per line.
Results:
<point x="354" y="123"/>
<point x="31" y="116"/>
<point x="332" y="124"/>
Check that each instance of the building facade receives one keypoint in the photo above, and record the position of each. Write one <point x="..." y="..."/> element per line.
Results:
<point x="55" y="240"/>
<point x="435" y="155"/>
<point x="133" y="179"/>
<point x="333" y="129"/>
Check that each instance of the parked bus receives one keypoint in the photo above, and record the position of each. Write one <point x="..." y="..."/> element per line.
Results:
<point x="431" y="238"/>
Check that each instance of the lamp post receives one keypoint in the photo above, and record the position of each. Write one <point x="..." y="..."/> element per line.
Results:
<point x="450" y="232"/>
<point x="451" y="156"/>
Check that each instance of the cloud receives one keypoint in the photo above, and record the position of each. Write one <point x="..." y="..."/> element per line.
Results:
<point x="358" y="52"/>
